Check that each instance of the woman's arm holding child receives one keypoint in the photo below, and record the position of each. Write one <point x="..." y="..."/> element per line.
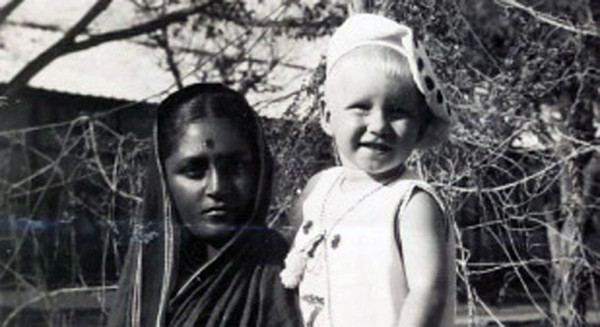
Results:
<point x="426" y="252"/>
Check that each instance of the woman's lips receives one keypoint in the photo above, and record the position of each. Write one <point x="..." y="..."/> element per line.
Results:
<point x="215" y="212"/>
<point x="218" y="212"/>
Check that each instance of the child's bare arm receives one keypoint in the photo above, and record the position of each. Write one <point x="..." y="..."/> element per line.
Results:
<point x="426" y="260"/>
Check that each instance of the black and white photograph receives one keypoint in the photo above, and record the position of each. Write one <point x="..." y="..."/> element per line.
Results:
<point x="318" y="163"/>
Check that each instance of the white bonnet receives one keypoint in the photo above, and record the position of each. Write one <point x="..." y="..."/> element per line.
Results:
<point x="372" y="30"/>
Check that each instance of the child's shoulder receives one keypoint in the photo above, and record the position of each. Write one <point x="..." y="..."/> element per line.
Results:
<point x="420" y="193"/>
<point x="420" y="200"/>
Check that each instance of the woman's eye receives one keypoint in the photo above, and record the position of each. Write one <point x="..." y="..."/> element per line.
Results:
<point x="194" y="174"/>
<point x="236" y="167"/>
<point x="195" y="171"/>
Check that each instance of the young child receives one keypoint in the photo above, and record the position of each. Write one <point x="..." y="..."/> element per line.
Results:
<point x="375" y="247"/>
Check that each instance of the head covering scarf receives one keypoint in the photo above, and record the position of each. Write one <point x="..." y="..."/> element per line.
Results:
<point x="239" y="286"/>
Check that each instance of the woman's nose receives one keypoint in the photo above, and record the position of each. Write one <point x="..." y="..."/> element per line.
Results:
<point x="216" y="183"/>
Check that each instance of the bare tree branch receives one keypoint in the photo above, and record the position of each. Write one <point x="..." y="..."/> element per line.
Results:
<point x="137" y="30"/>
<point x="360" y="6"/>
<point x="56" y="50"/>
<point x="67" y="43"/>
<point x="561" y="23"/>
<point x="174" y="48"/>
<point x="179" y="16"/>
<point x="8" y="9"/>
<point x="162" y="40"/>
<point x="47" y="295"/>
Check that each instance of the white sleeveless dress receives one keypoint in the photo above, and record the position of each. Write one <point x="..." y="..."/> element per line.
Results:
<point x="355" y="275"/>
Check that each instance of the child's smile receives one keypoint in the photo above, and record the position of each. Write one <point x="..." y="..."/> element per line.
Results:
<point x="376" y="147"/>
<point x="374" y="118"/>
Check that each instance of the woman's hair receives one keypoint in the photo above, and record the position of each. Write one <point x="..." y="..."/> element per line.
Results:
<point x="199" y="101"/>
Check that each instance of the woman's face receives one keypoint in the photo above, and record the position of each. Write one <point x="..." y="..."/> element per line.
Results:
<point x="212" y="178"/>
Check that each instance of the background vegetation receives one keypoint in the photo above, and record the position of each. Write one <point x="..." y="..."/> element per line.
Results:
<point x="520" y="172"/>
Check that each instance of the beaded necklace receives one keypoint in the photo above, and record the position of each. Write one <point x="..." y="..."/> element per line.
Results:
<point x="326" y="232"/>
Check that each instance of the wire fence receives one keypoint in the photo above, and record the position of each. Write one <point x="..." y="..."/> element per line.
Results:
<point x="519" y="174"/>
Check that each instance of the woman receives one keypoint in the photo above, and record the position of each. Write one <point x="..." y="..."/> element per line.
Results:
<point x="204" y="256"/>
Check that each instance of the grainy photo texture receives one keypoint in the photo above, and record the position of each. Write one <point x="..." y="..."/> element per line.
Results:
<point x="81" y="83"/>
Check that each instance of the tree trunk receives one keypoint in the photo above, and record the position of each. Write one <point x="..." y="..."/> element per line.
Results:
<point x="567" y="307"/>
<point x="570" y="261"/>
<point x="569" y="257"/>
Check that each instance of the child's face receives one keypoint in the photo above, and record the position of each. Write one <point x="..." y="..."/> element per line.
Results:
<point x="373" y="118"/>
